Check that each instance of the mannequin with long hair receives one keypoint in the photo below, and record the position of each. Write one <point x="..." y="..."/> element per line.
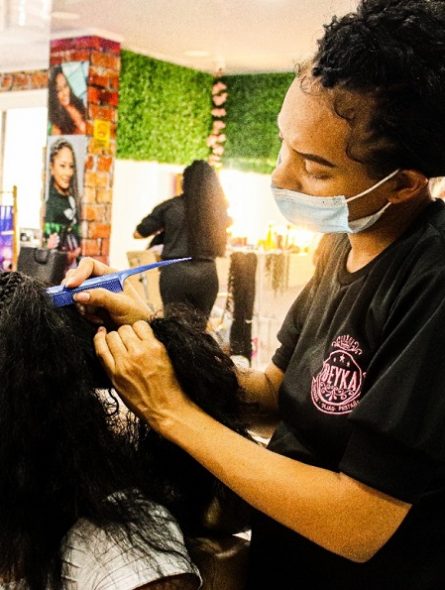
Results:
<point x="82" y="478"/>
<point x="193" y="224"/>
<point x="205" y="211"/>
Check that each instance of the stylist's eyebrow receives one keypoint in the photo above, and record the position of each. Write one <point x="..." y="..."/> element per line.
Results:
<point x="315" y="158"/>
<point x="312" y="157"/>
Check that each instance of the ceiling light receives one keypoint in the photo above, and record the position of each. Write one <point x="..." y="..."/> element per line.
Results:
<point x="196" y="53"/>
<point x="65" y="15"/>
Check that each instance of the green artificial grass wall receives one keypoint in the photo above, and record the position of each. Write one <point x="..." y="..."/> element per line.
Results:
<point x="253" y="104"/>
<point x="165" y="114"/>
<point x="164" y="111"/>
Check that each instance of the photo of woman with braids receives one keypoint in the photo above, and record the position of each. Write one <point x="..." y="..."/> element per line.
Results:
<point x="66" y="111"/>
<point x="193" y="224"/>
<point x="93" y="498"/>
<point x="62" y="206"/>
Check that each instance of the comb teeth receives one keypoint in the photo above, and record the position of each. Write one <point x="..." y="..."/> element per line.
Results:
<point x="114" y="285"/>
<point x="62" y="298"/>
<point x="65" y="296"/>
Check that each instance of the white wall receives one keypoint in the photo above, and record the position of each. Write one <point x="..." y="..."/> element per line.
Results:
<point x="25" y="141"/>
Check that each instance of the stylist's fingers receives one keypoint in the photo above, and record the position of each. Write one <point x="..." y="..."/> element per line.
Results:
<point x="121" y="308"/>
<point x="97" y="298"/>
<point x="103" y="350"/>
<point x="116" y="346"/>
<point x="143" y="330"/>
<point x="130" y="339"/>
<point x="88" y="267"/>
<point x="157" y="350"/>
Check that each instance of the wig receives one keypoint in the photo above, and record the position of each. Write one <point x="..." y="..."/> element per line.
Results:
<point x="205" y="211"/>
<point x="65" y="448"/>
<point x="392" y="54"/>
<point x="242" y="273"/>
<point x="57" y="113"/>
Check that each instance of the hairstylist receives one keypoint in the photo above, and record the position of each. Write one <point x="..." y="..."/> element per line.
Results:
<point x="351" y="491"/>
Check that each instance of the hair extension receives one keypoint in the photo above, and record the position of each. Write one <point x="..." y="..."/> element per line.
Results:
<point x="205" y="211"/>
<point x="58" y="115"/>
<point x="242" y="289"/>
<point x="65" y="448"/>
<point x="390" y="56"/>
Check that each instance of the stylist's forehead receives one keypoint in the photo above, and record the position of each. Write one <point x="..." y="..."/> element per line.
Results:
<point x="308" y="123"/>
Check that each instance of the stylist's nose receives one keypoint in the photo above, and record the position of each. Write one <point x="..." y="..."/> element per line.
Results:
<point x="285" y="174"/>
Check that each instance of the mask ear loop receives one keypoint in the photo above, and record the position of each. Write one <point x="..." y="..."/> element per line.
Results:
<point x="374" y="186"/>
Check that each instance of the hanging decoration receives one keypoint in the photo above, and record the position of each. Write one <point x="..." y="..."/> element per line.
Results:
<point x="216" y="139"/>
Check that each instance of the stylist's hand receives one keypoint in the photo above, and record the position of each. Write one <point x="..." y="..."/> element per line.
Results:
<point x="122" y="308"/>
<point x="141" y="372"/>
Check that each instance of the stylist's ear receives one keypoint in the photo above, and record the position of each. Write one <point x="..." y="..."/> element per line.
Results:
<point x="409" y="184"/>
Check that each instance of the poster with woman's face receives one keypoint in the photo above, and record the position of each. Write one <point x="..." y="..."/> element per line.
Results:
<point x="65" y="166"/>
<point x="67" y="98"/>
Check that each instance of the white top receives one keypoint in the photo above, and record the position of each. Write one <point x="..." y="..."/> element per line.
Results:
<point x="94" y="561"/>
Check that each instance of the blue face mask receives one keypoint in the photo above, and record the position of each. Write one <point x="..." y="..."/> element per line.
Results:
<point x="326" y="214"/>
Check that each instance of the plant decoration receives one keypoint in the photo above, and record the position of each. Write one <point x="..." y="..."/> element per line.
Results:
<point x="251" y="123"/>
<point x="164" y="113"/>
<point x="216" y="139"/>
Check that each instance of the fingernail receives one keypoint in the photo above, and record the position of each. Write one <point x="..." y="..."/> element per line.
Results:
<point x="101" y="329"/>
<point x="82" y="297"/>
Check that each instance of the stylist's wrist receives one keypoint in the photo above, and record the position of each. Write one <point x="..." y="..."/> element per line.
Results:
<point x="173" y="422"/>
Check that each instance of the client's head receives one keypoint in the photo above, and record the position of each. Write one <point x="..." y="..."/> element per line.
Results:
<point x="64" y="447"/>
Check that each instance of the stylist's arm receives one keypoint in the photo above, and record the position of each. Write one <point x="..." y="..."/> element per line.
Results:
<point x="317" y="508"/>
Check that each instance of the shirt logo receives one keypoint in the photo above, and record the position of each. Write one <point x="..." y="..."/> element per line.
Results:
<point x="337" y="387"/>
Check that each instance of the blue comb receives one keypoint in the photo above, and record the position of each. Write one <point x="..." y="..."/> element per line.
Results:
<point x="114" y="282"/>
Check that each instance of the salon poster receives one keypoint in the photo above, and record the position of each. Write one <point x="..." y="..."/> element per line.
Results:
<point x="67" y="98"/>
<point x="62" y="207"/>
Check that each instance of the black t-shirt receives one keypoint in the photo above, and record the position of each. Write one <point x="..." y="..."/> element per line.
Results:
<point x="61" y="209"/>
<point x="170" y="217"/>
<point x="364" y="393"/>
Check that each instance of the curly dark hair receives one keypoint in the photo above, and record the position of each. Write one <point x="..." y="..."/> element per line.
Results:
<point x="392" y="54"/>
<point x="57" y="113"/>
<point x="65" y="448"/>
<point x="205" y="211"/>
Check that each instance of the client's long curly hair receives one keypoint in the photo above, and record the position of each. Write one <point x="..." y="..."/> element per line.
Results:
<point x="64" y="447"/>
